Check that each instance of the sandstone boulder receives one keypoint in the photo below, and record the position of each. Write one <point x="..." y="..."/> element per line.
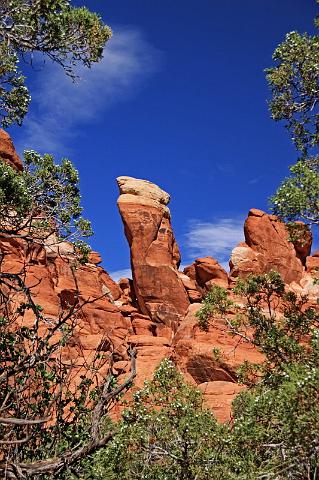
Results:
<point x="312" y="263"/>
<point x="193" y="348"/>
<point x="143" y="188"/>
<point x="308" y="285"/>
<point x="267" y="247"/>
<point x="303" y="244"/>
<point x="206" y="272"/>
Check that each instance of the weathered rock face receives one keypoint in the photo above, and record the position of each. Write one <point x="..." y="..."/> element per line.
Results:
<point x="303" y="246"/>
<point x="155" y="255"/>
<point x="56" y="285"/>
<point x="307" y="285"/>
<point x="216" y="377"/>
<point x="205" y="272"/>
<point x="7" y="151"/>
<point x="267" y="247"/>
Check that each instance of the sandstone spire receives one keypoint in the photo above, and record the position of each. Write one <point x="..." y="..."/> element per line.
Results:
<point x="154" y="253"/>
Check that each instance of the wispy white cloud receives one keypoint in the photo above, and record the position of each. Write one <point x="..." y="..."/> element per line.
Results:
<point x="253" y="181"/>
<point x="125" y="273"/>
<point x="216" y="238"/>
<point x="59" y="106"/>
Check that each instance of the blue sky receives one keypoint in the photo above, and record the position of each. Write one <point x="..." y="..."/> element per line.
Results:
<point x="180" y="99"/>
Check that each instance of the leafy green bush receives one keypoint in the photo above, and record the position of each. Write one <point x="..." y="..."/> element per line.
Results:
<point x="275" y="424"/>
<point x="294" y="86"/>
<point x="165" y="434"/>
<point x="297" y="198"/>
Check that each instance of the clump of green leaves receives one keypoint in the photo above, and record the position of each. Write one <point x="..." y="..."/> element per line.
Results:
<point x="164" y="434"/>
<point x="216" y="301"/>
<point x="66" y="35"/>
<point x="276" y="421"/>
<point x="276" y="428"/>
<point x="295" y="88"/>
<point x="272" y="319"/>
<point x="294" y="84"/>
<point x="43" y="202"/>
<point x="297" y="198"/>
<point x="14" y="95"/>
<point x="281" y="321"/>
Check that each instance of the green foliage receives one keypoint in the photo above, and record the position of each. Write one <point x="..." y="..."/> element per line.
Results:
<point x="276" y="429"/>
<point x="295" y="88"/>
<point x="277" y="333"/>
<point x="294" y="83"/>
<point x="42" y="202"/>
<point x="13" y="194"/>
<point x="215" y="301"/>
<point x="298" y="196"/>
<point x="275" y="426"/>
<point x="14" y="95"/>
<point x="66" y="35"/>
<point x="273" y="320"/>
<point x="164" y="435"/>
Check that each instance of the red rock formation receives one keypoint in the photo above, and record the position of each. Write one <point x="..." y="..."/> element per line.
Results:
<point x="307" y="285"/>
<point x="206" y="272"/>
<point x="218" y="396"/>
<point x="155" y="256"/>
<point x="303" y="245"/>
<point x="193" y="353"/>
<point x="267" y="247"/>
<point x="312" y="263"/>
<point x="56" y="285"/>
<point x="193" y="291"/>
<point x="156" y="311"/>
<point x="7" y="151"/>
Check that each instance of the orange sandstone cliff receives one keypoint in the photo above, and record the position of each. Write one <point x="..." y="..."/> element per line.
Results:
<point x="155" y="311"/>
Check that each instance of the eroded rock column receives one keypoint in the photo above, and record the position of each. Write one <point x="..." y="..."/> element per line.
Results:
<point x="154" y="253"/>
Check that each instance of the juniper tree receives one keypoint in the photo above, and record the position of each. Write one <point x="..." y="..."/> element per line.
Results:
<point x="64" y="34"/>
<point x="42" y="203"/>
<point x="165" y="434"/>
<point x="294" y="84"/>
<point x="274" y="431"/>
